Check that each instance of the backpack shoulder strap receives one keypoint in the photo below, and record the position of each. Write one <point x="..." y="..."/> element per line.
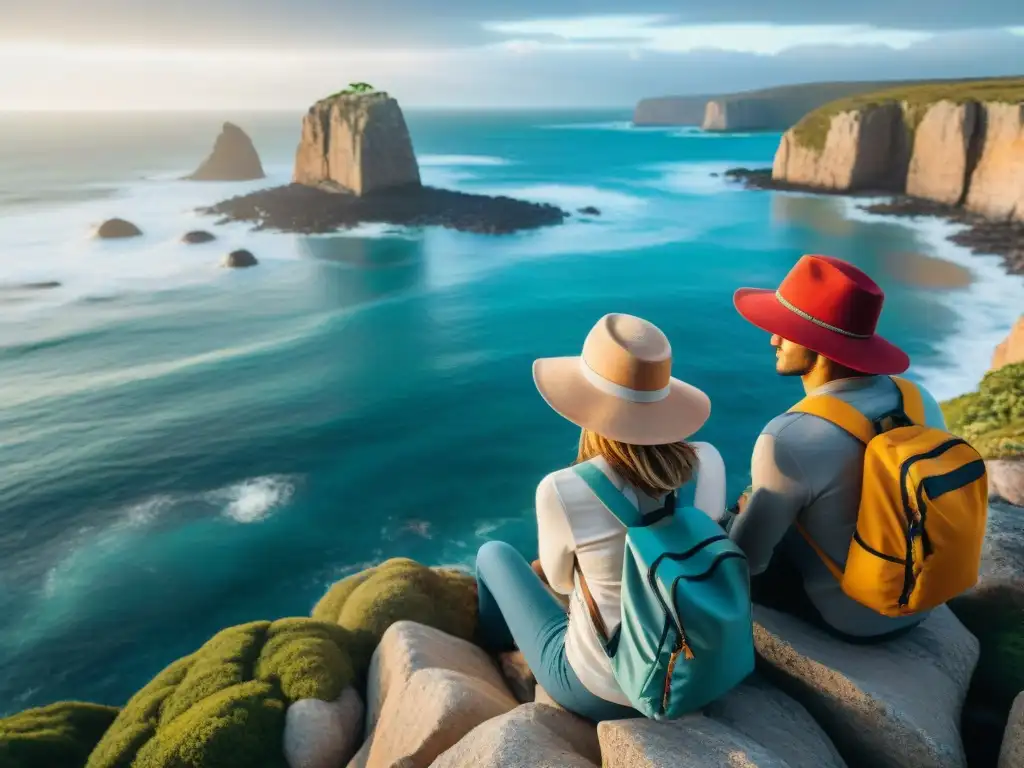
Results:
<point x="838" y="412"/>
<point x="913" y="403"/>
<point x="610" y="496"/>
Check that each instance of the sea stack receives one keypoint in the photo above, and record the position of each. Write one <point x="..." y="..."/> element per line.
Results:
<point x="234" y="158"/>
<point x="356" y="141"/>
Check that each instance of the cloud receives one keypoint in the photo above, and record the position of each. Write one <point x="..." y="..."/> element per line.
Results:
<point x="355" y="24"/>
<point x="652" y="33"/>
<point x="537" y="75"/>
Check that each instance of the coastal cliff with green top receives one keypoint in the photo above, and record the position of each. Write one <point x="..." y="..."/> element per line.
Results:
<point x="960" y="144"/>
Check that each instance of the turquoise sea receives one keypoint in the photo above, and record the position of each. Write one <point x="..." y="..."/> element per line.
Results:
<point x="183" y="447"/>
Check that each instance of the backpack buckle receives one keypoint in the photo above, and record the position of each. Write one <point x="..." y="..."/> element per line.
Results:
<point x="891" y="420"/>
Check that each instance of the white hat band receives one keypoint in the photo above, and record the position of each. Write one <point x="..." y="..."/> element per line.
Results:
<point x="619" y="391"/>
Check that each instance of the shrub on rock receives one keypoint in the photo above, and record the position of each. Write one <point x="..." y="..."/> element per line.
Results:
<point x="224" y="705"/>
<point x="369" y="602"/>
<point x="56" y="736"/>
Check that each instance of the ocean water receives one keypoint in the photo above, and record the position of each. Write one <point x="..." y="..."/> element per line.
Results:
<point x="185" y="448"/>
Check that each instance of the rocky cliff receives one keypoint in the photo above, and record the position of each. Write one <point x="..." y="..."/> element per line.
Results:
<point x="670" y="110"/>
<point x="959" y="146"/>
<point x="357" y="143"/>
<point x="1011" y="349"/>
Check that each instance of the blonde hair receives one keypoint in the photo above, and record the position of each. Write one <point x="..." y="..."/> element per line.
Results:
<point x="653" y="469"/>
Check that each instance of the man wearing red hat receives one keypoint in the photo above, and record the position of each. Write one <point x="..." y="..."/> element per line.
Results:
<point x="805" y="469"/>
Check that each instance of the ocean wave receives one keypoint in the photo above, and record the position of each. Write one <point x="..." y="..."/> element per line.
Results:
<point x="254" y="500"/>
<point x="613" y="125"/>
<point x="693" y="178"/>
<point x="432" y="161"/>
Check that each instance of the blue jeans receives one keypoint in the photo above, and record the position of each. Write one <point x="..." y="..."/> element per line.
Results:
<point x="517" y="610"/>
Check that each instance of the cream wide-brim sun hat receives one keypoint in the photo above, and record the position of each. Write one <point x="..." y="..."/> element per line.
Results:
<point x="621" y="387"/>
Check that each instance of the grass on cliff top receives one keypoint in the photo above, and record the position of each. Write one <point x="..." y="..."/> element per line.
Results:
<point x="812" y="130"/>
<point x="991" y="419"/>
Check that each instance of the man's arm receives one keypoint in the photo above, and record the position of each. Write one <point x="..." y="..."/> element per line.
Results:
<point x="554" y="538"/>
<point x="780" y="491"/>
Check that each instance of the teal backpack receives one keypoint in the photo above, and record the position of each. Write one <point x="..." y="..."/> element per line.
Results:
<point x="686" y="635"/>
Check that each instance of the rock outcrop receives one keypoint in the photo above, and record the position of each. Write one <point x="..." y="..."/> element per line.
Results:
<point x="889" y="705"/>
<point x="864" y="149"/>
<point x="323" y="734"/>
<point x="234" y="158"/>
<point x="1011" y="349"/>
<point x="112" y="229"/>
<point x="197" y="237"/>
<point x="1012" y="753"/>
<point x="1006" y="480"/>
<point x="239" y="259"/>
<point x="356" y="142"/>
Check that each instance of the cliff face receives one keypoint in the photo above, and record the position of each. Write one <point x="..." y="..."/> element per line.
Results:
<point x="1011" y="350"/>
<point x="859" y="153"/>
<point x="357" y="143"/>
<point x="670" y="110"/>
<point x="997" y="185"/>
<point x="966" y="153"/>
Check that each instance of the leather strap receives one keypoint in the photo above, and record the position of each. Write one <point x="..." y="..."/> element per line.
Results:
<point x="588" y="598"/>
<point x="840" y="413"/>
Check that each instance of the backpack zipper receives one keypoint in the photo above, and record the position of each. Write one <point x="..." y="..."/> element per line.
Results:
<point x="682" y="647"/>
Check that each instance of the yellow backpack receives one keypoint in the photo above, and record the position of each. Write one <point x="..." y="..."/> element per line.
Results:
<point x="923" y="508"/>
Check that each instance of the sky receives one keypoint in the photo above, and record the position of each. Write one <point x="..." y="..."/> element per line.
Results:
<point x="284" y="54"/>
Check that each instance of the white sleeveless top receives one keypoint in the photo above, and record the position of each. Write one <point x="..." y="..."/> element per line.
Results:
<point x="571" y="522"/>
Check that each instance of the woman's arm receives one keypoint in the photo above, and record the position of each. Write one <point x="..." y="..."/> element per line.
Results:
<point x="709" y="496"/>
<point x="554" y="538"/>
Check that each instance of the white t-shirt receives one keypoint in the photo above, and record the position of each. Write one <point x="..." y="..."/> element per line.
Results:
<point x="571" y="521"/>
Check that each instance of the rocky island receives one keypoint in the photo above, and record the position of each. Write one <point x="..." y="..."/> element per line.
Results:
<point x="234" y="158"/>
<point x="355" y="164"/>
<point x="952" y="149"/>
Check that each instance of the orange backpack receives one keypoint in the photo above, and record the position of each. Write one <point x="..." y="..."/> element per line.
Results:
<point x="923" y="508"/>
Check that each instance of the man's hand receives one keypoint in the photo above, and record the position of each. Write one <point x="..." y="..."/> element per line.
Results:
<point x="539" y="571"/>
<point x="741" y="502"/>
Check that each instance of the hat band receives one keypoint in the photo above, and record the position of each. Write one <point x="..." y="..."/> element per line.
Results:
<point x="820" y="323"/>
<point x="617" y="390"/>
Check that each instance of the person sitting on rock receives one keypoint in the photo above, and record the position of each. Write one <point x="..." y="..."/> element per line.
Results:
<point x="634" y="418"/>
<point x="800" y="514"/>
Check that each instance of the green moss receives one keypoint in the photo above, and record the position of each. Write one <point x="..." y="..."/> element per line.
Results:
<point x="812" y="130"/>
<point x="56" y="736"/>
<point x="992" y="419"/>
<point x="366" y="604"/>
<point x="223" y="706"/>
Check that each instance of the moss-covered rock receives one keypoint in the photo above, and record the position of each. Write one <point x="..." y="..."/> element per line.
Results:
<point x="224" y="705"/>
<point x="367" y="603"/>
<point x="992" y="419"/>
<point x="56" y="736"/>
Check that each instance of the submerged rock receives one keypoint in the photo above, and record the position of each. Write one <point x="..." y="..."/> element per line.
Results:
<point x="589" y="211"/>
<point x="239" y="259"/>
<point x="234" y="158"/>
<point x="309" y="210"/>
<point x="117" y="228"/>
<point x="196" y="237"/>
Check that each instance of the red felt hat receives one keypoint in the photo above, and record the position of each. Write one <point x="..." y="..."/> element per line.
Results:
<point x="830" y="307"/>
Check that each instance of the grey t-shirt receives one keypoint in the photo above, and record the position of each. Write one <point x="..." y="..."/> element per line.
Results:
<point x="808" y="470"/>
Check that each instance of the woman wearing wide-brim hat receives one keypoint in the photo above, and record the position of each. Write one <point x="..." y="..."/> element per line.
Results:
<point x="635" y="420"/>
